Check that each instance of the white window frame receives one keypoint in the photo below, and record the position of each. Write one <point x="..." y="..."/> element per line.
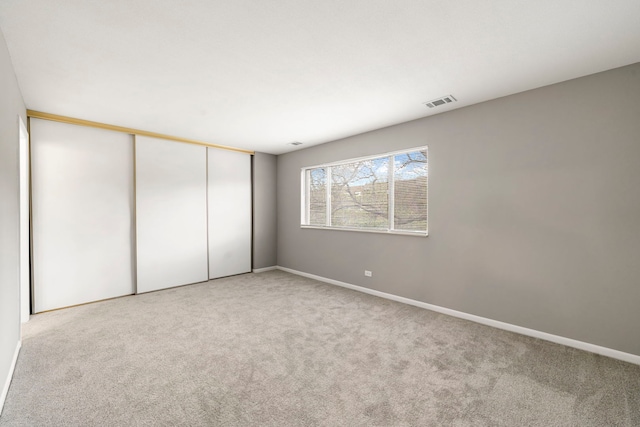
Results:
<point x="305" y="195"/>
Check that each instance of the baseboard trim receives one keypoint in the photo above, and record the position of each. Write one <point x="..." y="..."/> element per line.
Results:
<point x="262" y="270"/>
<point x="7" y="383"/>
<point x="581" y="345"/>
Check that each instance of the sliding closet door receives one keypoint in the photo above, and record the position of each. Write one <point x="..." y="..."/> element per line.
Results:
<point x="171" y="213"/>
<point x="82" y="214"/>
<point x="229" y="213"/>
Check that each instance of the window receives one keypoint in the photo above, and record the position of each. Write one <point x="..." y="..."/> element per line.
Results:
<point x="386" y="193"/>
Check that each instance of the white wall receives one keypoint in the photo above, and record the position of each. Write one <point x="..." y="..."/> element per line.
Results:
<point x="11" y="106"/>
<point x="25" y="214"/>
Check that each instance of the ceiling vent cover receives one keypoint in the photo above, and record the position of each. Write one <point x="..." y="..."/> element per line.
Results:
<point x="440" y="101"/>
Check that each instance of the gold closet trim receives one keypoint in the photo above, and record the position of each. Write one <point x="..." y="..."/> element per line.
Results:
<point x="80" y="122"/>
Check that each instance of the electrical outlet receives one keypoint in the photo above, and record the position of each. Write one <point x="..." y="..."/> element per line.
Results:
<point x="368" y="273"/>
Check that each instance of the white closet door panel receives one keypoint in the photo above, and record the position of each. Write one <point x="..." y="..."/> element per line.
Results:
<point x="229" y="213"/>
<point x="171" y="213"/>
<point x="82" y="200"/>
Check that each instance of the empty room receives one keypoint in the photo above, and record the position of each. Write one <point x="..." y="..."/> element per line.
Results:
<point x="319" y="213"/>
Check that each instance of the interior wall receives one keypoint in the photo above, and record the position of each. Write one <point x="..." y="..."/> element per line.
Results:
<point x="264" y="210"/>
<point x="534" y="212"/>
<point x="11" y="106"/>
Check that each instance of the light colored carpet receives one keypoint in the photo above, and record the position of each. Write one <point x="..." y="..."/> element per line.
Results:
<point x="274" y="349"/>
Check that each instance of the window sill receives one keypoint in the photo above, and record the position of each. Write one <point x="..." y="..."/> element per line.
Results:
<point x="362" y="230"/>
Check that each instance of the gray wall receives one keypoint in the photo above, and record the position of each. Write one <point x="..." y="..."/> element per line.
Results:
<point x="534" y="212"/>
<point x="264" y="211"/>
<point x="11" y="105"/>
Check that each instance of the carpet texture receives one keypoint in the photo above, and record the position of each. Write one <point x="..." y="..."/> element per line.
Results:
<point x="275" y="349"/>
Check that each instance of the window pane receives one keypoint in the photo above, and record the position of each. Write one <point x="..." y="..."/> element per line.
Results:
<point x="317" y="196"/>
<point x="410" y="191"/>
<point x="359" y="194"/>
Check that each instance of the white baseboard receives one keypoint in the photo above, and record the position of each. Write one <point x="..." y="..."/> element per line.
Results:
<point x="262" y="270"/>
<point x="604" y="351"/>
<point x="7" y="383"/>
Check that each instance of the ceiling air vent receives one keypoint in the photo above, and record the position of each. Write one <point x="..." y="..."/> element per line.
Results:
<point x="440" y="101"/>
<point x="295" y="143"/>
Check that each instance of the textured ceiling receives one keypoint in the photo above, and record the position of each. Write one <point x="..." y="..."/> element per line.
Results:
<point x="260" y="74"/>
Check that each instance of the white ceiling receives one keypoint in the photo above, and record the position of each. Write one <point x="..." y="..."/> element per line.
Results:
<point x="259" y="74"/>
